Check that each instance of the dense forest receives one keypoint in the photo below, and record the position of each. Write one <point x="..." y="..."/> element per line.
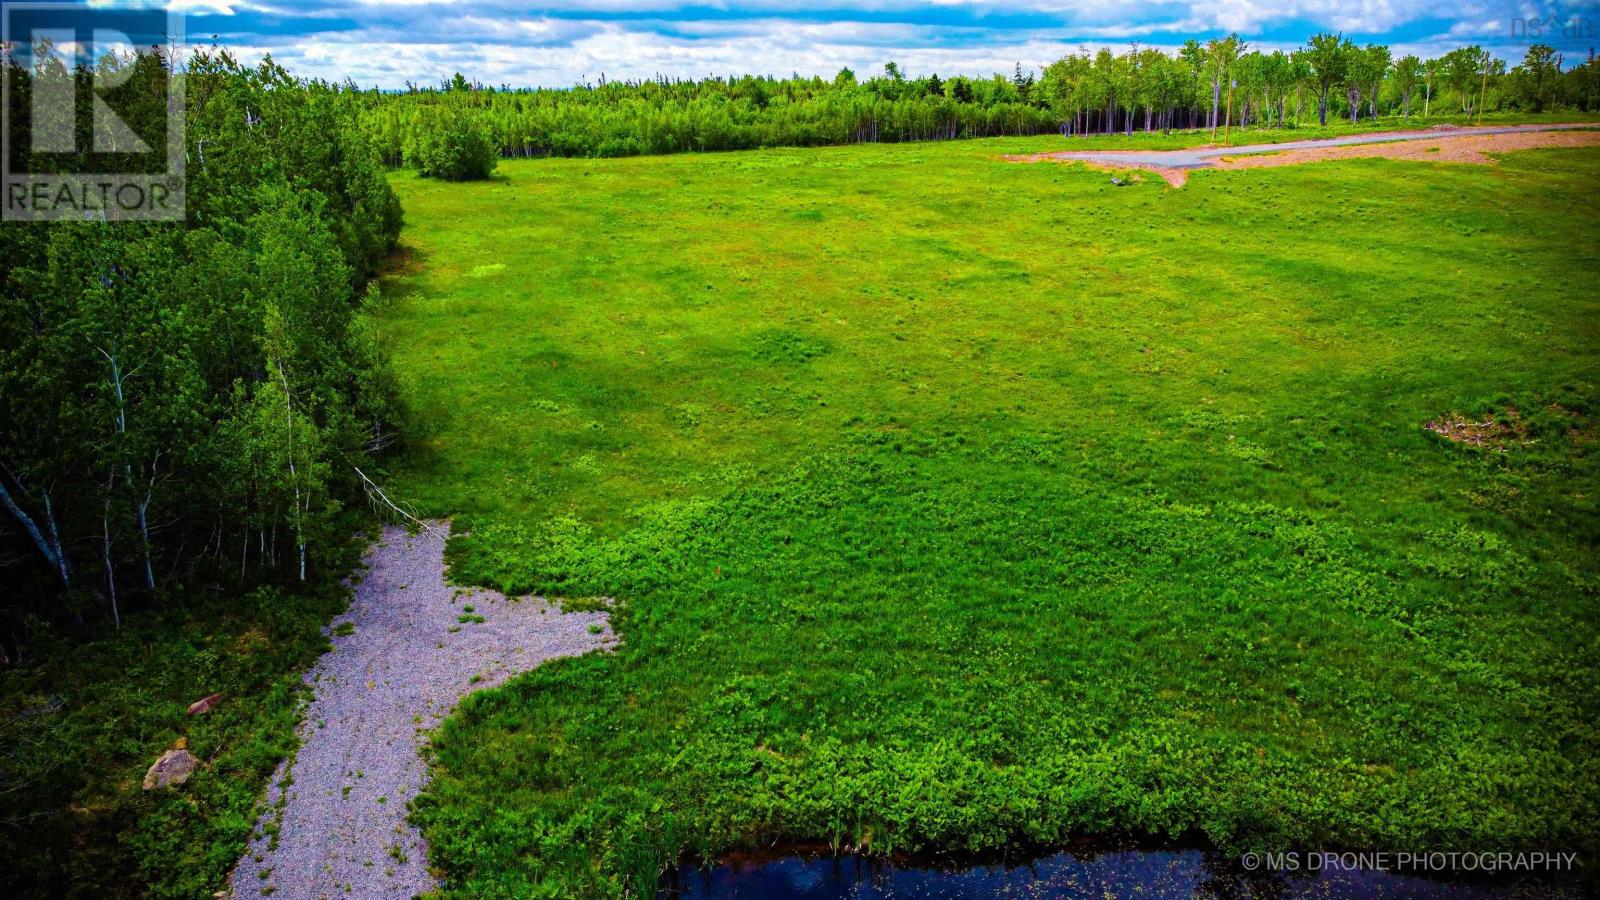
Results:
<point x="1216" y="83"/>
<point x="190" y="413"/>
<point x="186" y="403"/>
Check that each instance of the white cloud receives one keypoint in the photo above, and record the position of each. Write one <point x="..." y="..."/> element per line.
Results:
<point x="501" y="41"/>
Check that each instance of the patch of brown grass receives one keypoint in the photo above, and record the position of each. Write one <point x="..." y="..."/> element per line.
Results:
<point x="1490" y="433"/>
<point x="1173" y="177"/>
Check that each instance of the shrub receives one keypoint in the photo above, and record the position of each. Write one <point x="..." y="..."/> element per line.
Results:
<point x="455" y="147"/>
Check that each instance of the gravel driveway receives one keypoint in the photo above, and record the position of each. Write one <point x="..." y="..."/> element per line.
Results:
<point x="342" y="831"/>
<point x="1173" y="165"/>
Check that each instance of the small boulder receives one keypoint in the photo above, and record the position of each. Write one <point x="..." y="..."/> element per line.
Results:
<point x="173" y="768"/>
<point x="204" y="704"/>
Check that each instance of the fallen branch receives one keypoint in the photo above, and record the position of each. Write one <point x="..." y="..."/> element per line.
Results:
<point x="377" y="498"/>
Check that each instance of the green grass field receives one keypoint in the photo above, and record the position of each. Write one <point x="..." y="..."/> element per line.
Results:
<point x="951" y="503"/>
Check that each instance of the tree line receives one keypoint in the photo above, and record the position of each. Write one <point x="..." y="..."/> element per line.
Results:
<point x="1218" y="83"/>
<point x="617" y="118"/>
<point x="1224" y="83"/>
<point x="193" y="402"/>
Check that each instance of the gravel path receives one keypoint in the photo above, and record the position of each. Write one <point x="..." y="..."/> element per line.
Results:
<point x="1173" y="164"/>
<point x="342" y="831"/>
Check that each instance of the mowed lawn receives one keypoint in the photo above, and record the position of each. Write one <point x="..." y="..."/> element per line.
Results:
<point x="950" y="503"/>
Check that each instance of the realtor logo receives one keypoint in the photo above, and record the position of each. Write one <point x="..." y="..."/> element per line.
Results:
<point x="92" y="121"/>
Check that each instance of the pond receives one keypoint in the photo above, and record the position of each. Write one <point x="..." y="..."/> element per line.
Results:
<point x="1097" y="873"/>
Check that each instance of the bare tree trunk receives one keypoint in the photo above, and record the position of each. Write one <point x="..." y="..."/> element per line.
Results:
<point x="143" y="505"/>
<point x="55" y="538"/>
<point x="144" y="535"/>
<point x="294" y="478"/>
<point x="105" y="548"/>
<point x="47" y="548"/>
<point x="1216" y="101"/>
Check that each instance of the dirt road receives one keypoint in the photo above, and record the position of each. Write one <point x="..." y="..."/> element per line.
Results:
<point x="1447" y="144"/>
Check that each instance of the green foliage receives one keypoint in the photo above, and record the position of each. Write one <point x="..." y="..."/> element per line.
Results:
<point x="668" y="116"/>
<point x="959" y="517"/>
<point x="1081" y="93"/>
<point x="175" y="397"/>
<point x="182" y="407"/>
<point x="777" y="345"/>
<point x="453" y="146"/>
<point x="81" y="720"/>
<point x="920" y="649"/>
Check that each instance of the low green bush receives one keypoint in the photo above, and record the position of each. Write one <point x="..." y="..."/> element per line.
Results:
<point x="454" y="147"/>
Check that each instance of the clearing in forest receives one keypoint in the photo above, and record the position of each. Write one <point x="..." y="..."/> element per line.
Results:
<point x="952" y="504"/>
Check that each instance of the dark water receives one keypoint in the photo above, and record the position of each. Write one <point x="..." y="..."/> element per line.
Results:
<point x="1137" y="873"/>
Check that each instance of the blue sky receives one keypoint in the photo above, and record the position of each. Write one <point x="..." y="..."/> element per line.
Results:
<point x="387" y="42"/>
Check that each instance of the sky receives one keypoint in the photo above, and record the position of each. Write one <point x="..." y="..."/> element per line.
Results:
<point x="557" y="43"/>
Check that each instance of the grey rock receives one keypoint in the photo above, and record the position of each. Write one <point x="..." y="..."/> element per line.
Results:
<point x="173" y="768"/>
